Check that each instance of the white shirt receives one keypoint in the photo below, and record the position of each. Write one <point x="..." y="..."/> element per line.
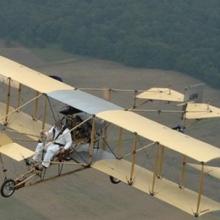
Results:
<point x="60" y="137"/>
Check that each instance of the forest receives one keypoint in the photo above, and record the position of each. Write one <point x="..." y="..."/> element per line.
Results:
<point x="181" y="35"/>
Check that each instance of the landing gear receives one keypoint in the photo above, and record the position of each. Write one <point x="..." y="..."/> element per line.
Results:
<point x="114" y="180"/>
<point x="8" y="188"/>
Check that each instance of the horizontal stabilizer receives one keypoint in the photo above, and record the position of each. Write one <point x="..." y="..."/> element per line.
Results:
<point x="201" y="110"/>
<point x="161" y="94"/>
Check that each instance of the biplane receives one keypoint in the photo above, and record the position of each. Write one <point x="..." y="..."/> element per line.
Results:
<point x="89" y="118"/>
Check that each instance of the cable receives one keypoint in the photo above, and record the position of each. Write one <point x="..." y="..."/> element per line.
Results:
<point x="51" y="108"/>
<point x="105" y="142"/>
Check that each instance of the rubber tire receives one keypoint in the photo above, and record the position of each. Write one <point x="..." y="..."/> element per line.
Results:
<point x="11" y="182"/>
<point x="114" y="180"/>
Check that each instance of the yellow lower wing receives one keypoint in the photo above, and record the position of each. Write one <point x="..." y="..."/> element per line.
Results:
<point x="165" y="190"/>
<point x="16" y="151"/>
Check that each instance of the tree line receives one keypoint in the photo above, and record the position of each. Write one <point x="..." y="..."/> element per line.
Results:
<point x="168" y="34"/>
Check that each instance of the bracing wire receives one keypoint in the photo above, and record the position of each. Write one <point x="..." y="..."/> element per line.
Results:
<point x="51" y="108"/>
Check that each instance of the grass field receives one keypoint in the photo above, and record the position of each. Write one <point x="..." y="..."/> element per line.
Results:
<point x="51" y="54"/>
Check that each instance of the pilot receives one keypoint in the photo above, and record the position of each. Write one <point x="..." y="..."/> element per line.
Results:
<point x="56" y="139"/>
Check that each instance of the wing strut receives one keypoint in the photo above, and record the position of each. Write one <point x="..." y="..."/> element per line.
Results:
<point x="201" y="187"/>
<point x="134" y="147"/>
<point x="183" y="171"/>
<point x="45" y="113"/>
<point x="156" y="165"/>
<point x="8" y="101"/>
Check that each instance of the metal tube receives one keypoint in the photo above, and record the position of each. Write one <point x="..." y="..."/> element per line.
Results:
<point x="35" y="107"/>
<point x="152" y="192"/>
<point x="8" y="101"/>
<point x="201" y="188"/>
<point x="133" y="159"/>
<point x="183" y="171"/>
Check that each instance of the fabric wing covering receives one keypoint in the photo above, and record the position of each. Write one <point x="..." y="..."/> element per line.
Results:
<point x="53" y="88"/>
<point x="191" y="147"/>
<point x="184" y="144"/>
<point x="30" y="78"/>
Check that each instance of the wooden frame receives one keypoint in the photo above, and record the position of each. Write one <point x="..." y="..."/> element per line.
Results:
<point x="8" y="101"/>
<point x="133" y="159"/>
<point x="200" y="192"/>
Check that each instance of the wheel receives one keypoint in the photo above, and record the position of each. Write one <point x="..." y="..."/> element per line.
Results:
<point x="114" y="180"/>
<point x="8" y="188"/>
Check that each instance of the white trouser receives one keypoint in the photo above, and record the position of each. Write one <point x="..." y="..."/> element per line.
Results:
<point x="38" y="152"/>
<point x="51" y="151"/>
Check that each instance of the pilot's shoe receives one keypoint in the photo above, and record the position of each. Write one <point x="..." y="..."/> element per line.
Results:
<point x="40" y="167"/>
<point x="29" y="161"/>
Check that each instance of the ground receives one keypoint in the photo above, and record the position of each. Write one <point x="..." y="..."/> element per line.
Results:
<point x="89" y="194"/>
